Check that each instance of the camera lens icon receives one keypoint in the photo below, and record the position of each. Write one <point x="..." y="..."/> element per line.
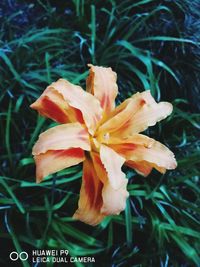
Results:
<point x="14" y="256"/>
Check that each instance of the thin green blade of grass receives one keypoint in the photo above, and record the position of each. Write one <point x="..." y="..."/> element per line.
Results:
<point x="10" y="65"/>
<point x="48" y="69"/>
<point x="165" y="39"/>
<point x="143" y="78"/>
<point x="128" y="222"/>
<point x="110" y="235"/>
<point x="93" y="33"/>
<point x="40" y="123"/>
<point x="7" y="134"/>
<point x="186" y="248"/>
<point x="12" y="194"/>
<point x="143" y="17"/>
<point x="77" y="234"/>
<point x="139" y="3"/>
<point x="49" y="183"/>
<point x="140" y="55"/>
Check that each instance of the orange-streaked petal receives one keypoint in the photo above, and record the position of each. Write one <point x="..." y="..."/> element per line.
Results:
<point x="112" y="163"/>
<point x="139" y="148"/>
<point x="77" y="98"/>
<point x="120" y="116"/>
<point x="134" y="115"/>
<point x="114" y="191"/>
<point x="51" y="104"/>
<point x="101" y="82"/>
<point x="99" y="167"/>
<point x="90" y="201"/>
<point x="141" y="167"/>
<point x="114" y="200"/>
<point x="64" y="136"/>
<point x="148" y="116"/>
<point x="56" y="160"/>
<point x="98" y="198"/>
<point x="144" y="167"/>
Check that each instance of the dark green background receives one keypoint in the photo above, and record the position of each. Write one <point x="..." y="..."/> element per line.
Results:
<point x="151" y="45"/>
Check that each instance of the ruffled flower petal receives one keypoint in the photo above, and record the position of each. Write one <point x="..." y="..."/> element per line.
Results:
<point x="101" y="82"/>
<point x="85" y="102"/>
<point x="142" y="150"/>
<point x="70" y="135"/>
<point x="148" y="116"/>
<point x="90" y="201"/>
<point x="134" y="115"/>
<point x="114" y="200"/>
<point x="114" y="192"/>
<point x="78" y="99"/>
<point x="100" y="194"/>
<point x="56" y="160"/>
<point x="119" y="117"/>
<point x="51" y="104"/>
<point x="112" y="163"/>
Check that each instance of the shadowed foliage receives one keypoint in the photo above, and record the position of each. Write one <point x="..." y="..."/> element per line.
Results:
<point x="151" y="45"/>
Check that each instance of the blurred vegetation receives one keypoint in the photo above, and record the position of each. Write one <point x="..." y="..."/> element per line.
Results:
<point x="150" y="44"/>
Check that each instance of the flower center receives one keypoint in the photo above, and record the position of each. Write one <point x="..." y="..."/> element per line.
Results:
<point x="106" y="136"/>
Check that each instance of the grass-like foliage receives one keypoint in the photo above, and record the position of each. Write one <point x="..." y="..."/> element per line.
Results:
<point x="151" y="45"/>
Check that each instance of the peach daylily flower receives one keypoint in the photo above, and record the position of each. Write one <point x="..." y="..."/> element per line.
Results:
<point x="101" y="136"/>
